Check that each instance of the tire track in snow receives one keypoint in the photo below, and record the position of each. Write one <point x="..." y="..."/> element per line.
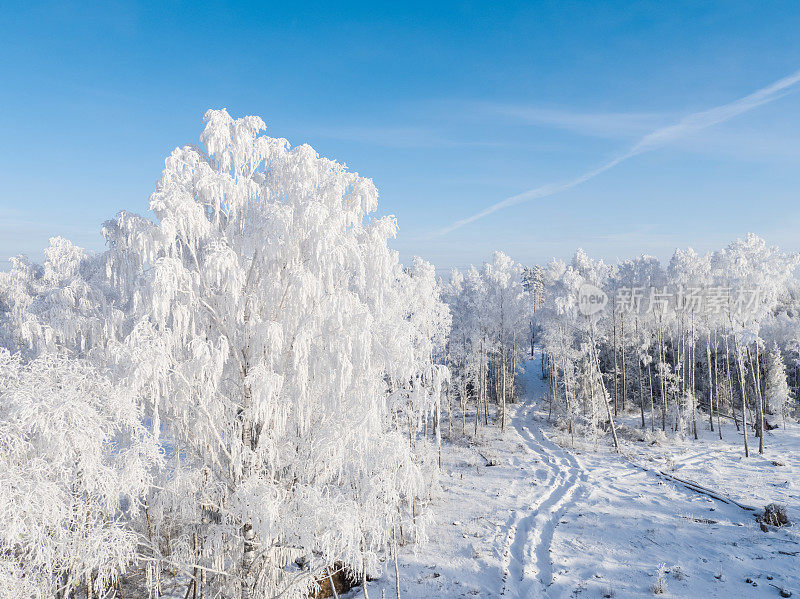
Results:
<point x="518" y="526"/>
<point x="528" y="570"/>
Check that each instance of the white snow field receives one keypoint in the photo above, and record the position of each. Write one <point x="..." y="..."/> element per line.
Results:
<point x="548" y="521"/>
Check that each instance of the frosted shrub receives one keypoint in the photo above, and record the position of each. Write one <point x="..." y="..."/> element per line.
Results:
<point x="72" y="454"/>
<point x="660" y="585"/>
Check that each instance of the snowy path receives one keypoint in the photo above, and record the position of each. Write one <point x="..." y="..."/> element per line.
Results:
<point x="623" y="522"/>
<point x="528" y="570"/>
<point x="555" y="523"/>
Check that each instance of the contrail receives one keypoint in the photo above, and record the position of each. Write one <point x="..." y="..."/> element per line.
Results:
<point x="654" y="140"/>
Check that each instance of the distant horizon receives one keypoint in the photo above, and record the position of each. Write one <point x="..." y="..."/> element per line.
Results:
<point x="444" y="271"/>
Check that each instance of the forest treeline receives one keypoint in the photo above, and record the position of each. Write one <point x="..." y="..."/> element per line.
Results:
<point x="247" y="394"/>
<point x="711" y="340"/>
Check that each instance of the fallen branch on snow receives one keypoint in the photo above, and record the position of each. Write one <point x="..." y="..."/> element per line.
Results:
<point x="693" y="486"/>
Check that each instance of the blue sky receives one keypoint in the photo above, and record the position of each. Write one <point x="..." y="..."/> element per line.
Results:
<point x="450" y="108"/>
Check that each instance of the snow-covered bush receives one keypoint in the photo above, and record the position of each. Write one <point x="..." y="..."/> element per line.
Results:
<point x="660" y="585"/>
<point x="775" y="514"/>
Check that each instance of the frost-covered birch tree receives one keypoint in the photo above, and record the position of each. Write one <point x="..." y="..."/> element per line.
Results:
<point x="278" y="344"/>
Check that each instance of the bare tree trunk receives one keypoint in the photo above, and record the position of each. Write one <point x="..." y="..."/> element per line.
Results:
<point x="692" y="380"/>
<point x="553" y="385"/>
<point x="513" y="372"/>
<point x="481" y="388"/>
<point x="754" y="366"/>
<point x="710" y="381"/>
<point x="716" y="384"/>
<point x="729" y="381"/>
<point x="564" y="366"/>
<point x="396" y="569"/>
<point x="592" y="402"/>
<point x="652" y="403"/>
<point x="478" y="391"/>
<point x="492" y="380"/>
<point x="196" y="572"/>
<point x="464" y="393"/>
<point x="662" y="362"/>
<point x="639" y="367"/>
<point x="464" y="402"/>
<point x="248" y="534"/>
<point x="330" y="580"/>
<point x="761" y="400"/>
<point x="503" y="388"/>
<point x="740" y="363"/>
<point x="682" y="354"/>
<point x="593" y="349"/>
<point x="449" y="410"/>
<point x="624" y="370"/>
<point x="676" y="349"/>
<point x="616" y="379"/>
<point x="248" y="558"/>
<point x="437" y="429"/>
<point x="364" y="578"/>
<point x="567" y="401"/>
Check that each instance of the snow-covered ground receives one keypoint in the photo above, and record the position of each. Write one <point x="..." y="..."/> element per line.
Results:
<point x="549" y="521"/>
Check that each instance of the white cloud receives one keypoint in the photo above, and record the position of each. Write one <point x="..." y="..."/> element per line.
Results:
<point x="398" y="137"/>
<point x="612" y="125"/>
<point x="656" y="139"/>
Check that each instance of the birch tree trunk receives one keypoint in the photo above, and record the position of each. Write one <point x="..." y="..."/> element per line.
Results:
<point x="716" y="384"/>
<point x="616" y="379"/>
<point x="652" y="403"/>
<point x="729" y="381"/>
<point x="710" y="381"/>
<point x="693" y="365"/>
<point x="662" y="362"/>
<point x="479" y="391"/>
<point x="553" y="385"/>
<point x="248" y="535"/>
<point x="639" y="367"/>
<point x="464" y="396"/>
<point x="513" y="372"/>
<point x="503" y="388"/>
<point x="624" y="371"/>
<point x="603" y="389"/>
<point x="754" y="366"/>
<point x="740" y="363"/>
